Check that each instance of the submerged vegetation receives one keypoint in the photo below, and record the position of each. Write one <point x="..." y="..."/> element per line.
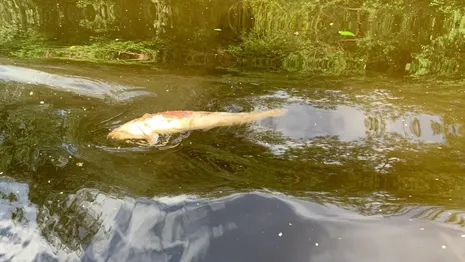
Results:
<point x="336" y="37"/>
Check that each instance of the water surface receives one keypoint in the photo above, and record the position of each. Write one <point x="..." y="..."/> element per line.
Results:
<point x="360" y="169"/>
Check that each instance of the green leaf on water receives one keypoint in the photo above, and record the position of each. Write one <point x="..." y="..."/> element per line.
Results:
<point x="346" y="33"/>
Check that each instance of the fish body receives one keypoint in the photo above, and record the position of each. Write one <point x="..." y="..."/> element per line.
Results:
<point x="150" y="126"/>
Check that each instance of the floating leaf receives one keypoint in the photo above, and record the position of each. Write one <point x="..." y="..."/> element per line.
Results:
<point x="217" y="29"/>
<point x="346" y="33"/>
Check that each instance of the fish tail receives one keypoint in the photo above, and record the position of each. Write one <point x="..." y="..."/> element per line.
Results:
<point x="264" y="114"/>
<point x="272" y="113"/>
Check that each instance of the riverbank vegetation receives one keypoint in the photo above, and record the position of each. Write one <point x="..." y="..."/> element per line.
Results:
<point x="309" y="37"/>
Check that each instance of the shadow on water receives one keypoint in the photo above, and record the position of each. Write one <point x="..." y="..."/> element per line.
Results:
<point x="363" y="159"/>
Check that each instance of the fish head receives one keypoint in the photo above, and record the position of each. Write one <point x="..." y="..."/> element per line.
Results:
<point x="129" y="130"/>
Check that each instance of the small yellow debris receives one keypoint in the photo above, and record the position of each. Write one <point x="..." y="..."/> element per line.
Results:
<point x="79" y="164"/>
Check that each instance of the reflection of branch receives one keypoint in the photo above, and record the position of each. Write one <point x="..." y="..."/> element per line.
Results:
<point x="386" y="162"/>
<point x="415" y="127"/>
<point x="229" y="16"/>
<point x="315" y="25"/>
<point x="353" y="8"/>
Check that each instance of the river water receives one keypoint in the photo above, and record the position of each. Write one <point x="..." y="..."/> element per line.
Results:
<point x="359" y="169"/>
<point x="367" y="165"/>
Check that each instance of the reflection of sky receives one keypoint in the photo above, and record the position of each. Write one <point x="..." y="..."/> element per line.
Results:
<point x="240" y="227"/>
<point x="77" y="85"/>
<point x="21" y="240"/>
<point x="21" y="192"/>
<point x="420" y="127"/>
<point x="303" y="122"/>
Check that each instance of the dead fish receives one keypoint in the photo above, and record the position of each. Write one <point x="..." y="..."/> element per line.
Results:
<point x="150" y="126"/>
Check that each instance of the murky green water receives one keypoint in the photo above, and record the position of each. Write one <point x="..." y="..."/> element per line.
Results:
<point x="350" y="136"/>
<point x="364" y="166"/>
<point x="344" y="137"/>
<point x="373" y="146"/>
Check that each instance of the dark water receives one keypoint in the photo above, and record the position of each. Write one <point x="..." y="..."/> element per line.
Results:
<point x="362" y="169"/>
<point x="368" y="164"/>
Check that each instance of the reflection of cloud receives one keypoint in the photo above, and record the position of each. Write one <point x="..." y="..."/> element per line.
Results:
<point x="159" y="226"/>
<point x="240" y="227"/>
<point x="304" y="122"/>
<point x="421" y="127"/>
<point x="77" y="85"/>
<point x="192" y="229"/>
<point x="14" y="196"/>
<point x="20" y="238"/>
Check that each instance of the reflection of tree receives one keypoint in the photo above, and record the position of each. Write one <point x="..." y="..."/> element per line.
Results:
<point x="393" y="165"/>
<point x="31" y="135"/>
<point x="415" y="127"/>
<point x="25" y="132"/>
<point x="70" y="221"/>
<point x="436" y="127"/>
<point x="298" y="36"/>
<point x="384" y="160"/>
<point x="375" y="124"/>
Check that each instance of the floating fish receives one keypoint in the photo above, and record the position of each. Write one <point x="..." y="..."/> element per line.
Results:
<point x="150" y="126"/>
